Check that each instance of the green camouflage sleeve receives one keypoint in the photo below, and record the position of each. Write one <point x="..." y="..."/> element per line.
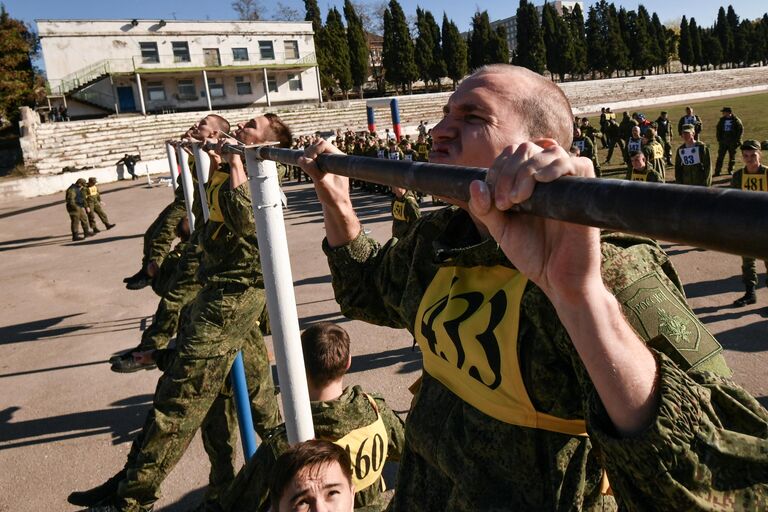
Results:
<point x="707" y="448"/>
<point x="165" y="231"/>
<point x="237" y="209"/>
<point x="395" y="429"/>
<point x="71" y="198"/>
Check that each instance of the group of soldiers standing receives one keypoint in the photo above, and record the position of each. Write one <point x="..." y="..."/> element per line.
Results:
<point x="83" y="202"/>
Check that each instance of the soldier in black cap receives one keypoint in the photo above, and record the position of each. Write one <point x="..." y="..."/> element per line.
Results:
<point x="664" y="131"/>
<point x="93" y="206"/>
<point x="729" y="132"/>
<point x="753" y="177"/>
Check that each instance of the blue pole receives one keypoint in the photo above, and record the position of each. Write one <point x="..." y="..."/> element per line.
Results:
<point x="243" y="405"/>
<point x="395" y="109"/>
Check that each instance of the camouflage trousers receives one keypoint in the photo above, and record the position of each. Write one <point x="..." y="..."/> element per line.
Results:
<point x="178" y="285"/>
<point x="722" y="149"/>
<point x="192" y="392"/>
<point x="160" y="234"/>
<point x="612" y="143"/>
<point x="95" y="210"/>
<point x="749" y="272"/>
<point x="77" y="217"/>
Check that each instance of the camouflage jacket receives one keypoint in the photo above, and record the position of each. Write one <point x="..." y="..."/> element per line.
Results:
<point x="699" y="450"/>
<point x="74" y="198"/>
<point x="333" y="420"/>
<point x="230" y="249"/>
<point x="694" y="174"/>
<point x="405" y="211"/>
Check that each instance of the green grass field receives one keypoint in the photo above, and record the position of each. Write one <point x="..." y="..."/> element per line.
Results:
<point x="752" y="110"/>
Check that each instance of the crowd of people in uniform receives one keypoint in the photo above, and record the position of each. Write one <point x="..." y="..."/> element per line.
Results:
<point x="547" y="384"/>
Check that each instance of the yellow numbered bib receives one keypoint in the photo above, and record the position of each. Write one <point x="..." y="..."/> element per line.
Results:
<point x="467" y="328"/>
<point x="367" y="448"/>
<point x="658" y="151"/>
<point x="92" y="191"/>
<point x="398" y="209"/>
<point x="212" y="191"/>
<point x="639" y="176"/>
<point x="754" y="182"/>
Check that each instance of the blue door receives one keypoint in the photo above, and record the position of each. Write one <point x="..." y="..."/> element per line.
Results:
<point x="125" y="99"/>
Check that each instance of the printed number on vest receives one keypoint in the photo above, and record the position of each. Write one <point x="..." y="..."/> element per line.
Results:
<point x="363" y="463"/>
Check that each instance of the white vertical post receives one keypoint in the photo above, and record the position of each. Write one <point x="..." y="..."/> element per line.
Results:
<point x="141" y="95"/>
<point x="281" y="302"/>
<point x="173" y="165"/>
<point x="319" y="85"/>
<point x="207" y="90"/>
<point x="202" y="165"/>
<point x="266" y="86"/>
<point x="186" y="182"/>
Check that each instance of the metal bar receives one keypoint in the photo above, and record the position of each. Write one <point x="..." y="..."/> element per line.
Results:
<point x="720" y="219"/>
<point x="173" y="165"/>
<point x="281" y="302"/>
<point x="202" y="165"/>
<point x="207" y="90"/>
<point x="186" y="181"/>
<point x="141" y="94"/>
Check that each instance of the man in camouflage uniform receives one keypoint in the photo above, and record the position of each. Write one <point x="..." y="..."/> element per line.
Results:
<point x="691" y="119"/>
<point x="422" y="148"/>
<point x="551" y="359"/>
<point x="160" y="234"/>
<point x="93" y="206"/>
<point x="729" y="131"/>
<point x="664" y="131"/>
<point x="586" y="148"/>
<point x="74" y="199"/>
<point x="638" y="170"/>
<point x="693" y="165"/>
<point x="753" y="177"/>
<point x="405" y="211"/>
<point x="223" y="319"/>
<point x="634" y="143"/>
<point x="653" y="151"/>
<point x="612" y="133"/>
<point x="337" y="412"/>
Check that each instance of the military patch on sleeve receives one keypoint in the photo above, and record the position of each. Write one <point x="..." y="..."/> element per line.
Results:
<point x="660" y="317"/>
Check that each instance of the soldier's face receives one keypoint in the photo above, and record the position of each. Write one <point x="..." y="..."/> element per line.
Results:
<point x="478" y="122"/>
<point x="688" y="137"/>
<point x="254" y="131"/>
<point x="201" y="130"/>
<point x="751" y="157"/>
<point x="638" y="161"/>
<point x="636" y="132"/>
<point x="318" y="489"/>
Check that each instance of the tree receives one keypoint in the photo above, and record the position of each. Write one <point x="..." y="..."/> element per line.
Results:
<point x="425" y="45"/>
<point x="743" y="43"/>
<point x="659" y="35"/>
<point x="713" y="52"/>
<point x="530" y="52"/>
<point x="480" y="40"/>
<point x="438" y="70"/>
<point x="335" y="40"/>
<point x="313" y="15"/>
<point x="617" y="57"/>
<point x="18" y="44"/>
<point x="696" y="52"/>
<point x="732" y="55"/>
<point x="558" y="42"/>
<point x="371" y="15"/>
<point x="454" y="50"/>
<point x="597" y="37"/>
<point x="284" y="12"/>
<point x="722" y="30"/>
<point x="399" y="65"/>
<point x="358" y="47"/>
<point x="248" y="9"/>
<point x="499" y="49"/>
<point x="575" y="20"/>
<point x="686" y="44"/>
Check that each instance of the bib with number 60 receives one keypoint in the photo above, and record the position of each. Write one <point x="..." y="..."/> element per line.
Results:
<point x="467" y="327"/>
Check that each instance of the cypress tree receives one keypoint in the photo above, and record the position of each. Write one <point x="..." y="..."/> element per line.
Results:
<point x="722" y="31"/>
<point x="696" y="53"/>
<point x="398" y="58"/>
<point x="531" y="52"/>
<point x="335" y="39"/>
<point x="714" y="52"/>
<point x="548" y="32"/>
<point x="743" y="42"/>
<point x="685" y="51"/>
<point x="454" y="50"/>
<point x="732" y="19"/>
<point x="651" y="49"/>
<point x="578" y="38"/>
<point x="480" y="40"/>
<point x="499" y="50"/>
<point x="596" y="35"/>
<point x="424" y="47"/>
<point x="617" y="57"/>
<point x="659" y="34"/>
<point x="438" y="70"/>
<point x="313" y="15"/>
<point x="358" y="48"/>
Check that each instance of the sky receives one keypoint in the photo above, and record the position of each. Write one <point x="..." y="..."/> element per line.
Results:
<point x="705" y="11"/>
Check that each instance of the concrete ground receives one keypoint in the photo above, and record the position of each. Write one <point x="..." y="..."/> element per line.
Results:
<point x="66" y="420"/>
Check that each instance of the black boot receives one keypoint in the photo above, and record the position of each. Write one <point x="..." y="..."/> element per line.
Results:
<point x="97" y="495"/>
<point x="748" y="298"/>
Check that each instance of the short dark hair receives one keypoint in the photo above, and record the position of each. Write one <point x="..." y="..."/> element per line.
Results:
<point x="280" y="129"/>
<point x="222" y="124"/>
<point x="326" y="352"/>
<point x="633" y="154"/>
<point x="315" y="455"/>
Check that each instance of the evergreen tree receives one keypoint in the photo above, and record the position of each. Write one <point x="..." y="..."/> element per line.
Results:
<point x="578" y="39"/>
<point x="531" y="52"/>
<point x="18" y="44"/>
<point x="499" y="50"/>
<point x="558" y="42"/>
<point x="358" y="47"/>
<point x="696" y="54"/>
<point x="313" y="15"/>
<point x="762" y="28"/>
<point x="398" y="59"/>
<point x="732" y="19"/>
<point x="617" y="57"/>
<point x="722" y="31"/>
<point x="639" y="40"/>
<point x="743" y="44"/>
<point x="425" y="45"/>
<point x="597" y="37"/>
<point x="480" y="40"/>
<point x="685" y="51"/>
<point x="335" y="39"/>
<point x="713" y="52"/>
<point x="659" y="35"/>
<point x="438" y="70"/>
<point x="454" y="50"/>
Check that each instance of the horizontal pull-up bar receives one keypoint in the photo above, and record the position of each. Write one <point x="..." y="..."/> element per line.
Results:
<point x="720" y="219"/>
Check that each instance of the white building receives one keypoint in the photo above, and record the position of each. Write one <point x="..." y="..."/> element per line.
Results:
<point x="154" y="66"/>
<point x="511" y="23"/>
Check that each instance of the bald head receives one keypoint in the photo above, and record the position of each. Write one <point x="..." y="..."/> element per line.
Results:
<point x="540" y="105"/>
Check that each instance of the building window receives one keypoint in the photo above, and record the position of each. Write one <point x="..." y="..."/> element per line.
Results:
<point x="180" y="51"/>
<point x="291" y="49"/>
<point x="266" y="50"/>
<point x="211" y="57"/>
<point x="216" y="88"/>
<point x="187" y="90"/>
<point x="294" y="82"/>
<point x="240" y="54"/>
<point x="155" y="91"/>
<point x="149" y="53"/>
<point x="243" y="86"/>
<point x="272" y="82"/>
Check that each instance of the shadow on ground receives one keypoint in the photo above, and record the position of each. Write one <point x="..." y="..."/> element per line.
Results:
<point x="121" y="420"/>
<point x="409" y="358"/>
<point x="46" y="329"/>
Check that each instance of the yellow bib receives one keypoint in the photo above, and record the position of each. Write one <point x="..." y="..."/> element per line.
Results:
<point x="639" y="175"/>
<point x="467" y="327"/>
<point x="367" y="448"/>
<point x="754" y="182"/>
<point x="92" y="191"/>
<point x="658" y="151"/>
<point x="398" y="209"/>
<point x="212" y="191"/>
